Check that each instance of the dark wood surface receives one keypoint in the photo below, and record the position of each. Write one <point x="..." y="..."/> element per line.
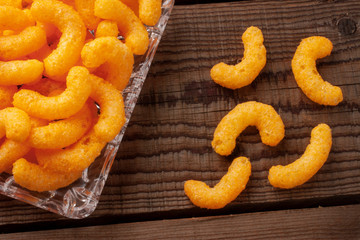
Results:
<point x="169" y="137"/>
<point x="318" y="223"/>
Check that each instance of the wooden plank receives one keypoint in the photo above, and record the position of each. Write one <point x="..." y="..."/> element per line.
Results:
<point x="188" y="2"/>
<point x="318" y="223"/>
<point x="168" y="140"/>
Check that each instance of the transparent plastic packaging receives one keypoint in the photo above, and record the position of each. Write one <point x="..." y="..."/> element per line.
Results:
<point x="80" y="199"/>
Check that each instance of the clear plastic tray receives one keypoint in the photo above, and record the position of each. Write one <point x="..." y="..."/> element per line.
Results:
<point x="80" y="199"/>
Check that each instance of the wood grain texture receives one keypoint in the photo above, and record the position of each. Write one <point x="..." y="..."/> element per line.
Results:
<point x="168" y="139"/>
<point x="318" y="223"/>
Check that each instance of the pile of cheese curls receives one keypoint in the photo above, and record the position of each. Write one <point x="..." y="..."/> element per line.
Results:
<point x="267" y="121"/>
<point x="63" y="66"/>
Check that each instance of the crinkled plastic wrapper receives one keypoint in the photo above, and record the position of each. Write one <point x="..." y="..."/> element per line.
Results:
<point x="80" y="199"/>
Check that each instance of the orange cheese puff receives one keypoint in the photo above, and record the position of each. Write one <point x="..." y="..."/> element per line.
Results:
<point x="245" y="72"/>
<point x="41" y="53"/>
<point x="133" y="5"/>
<point x="13" y="3"/>
<point x="69" y="2"/>
<point x="129" y="25"/>
<point x="61" y="106"/>
<point x="229" y="187"/>
<point x="306" y="75"/>
<point x="116" y="56"/>
<point x="60" y="134"/>
<point x="30" y="157"/>
<point x="12" y="18"/>
<point x="68" y="21"/>
<point x="35" y="178"/>
<point x="150" y="11"/>
<point x="107" y="28"/>
<point x="16" y="124"/>
<point x="74" y="158"/>
<point x="15" y="46"/>
<point x="112" y="112"/>
<point x="86" y="11"/>
<point x="8" y="32"/>
<point x="19" y="72"/>
<point x="11" y="150"/>
<point x="308" y="164"/>
<point x="26" y="3"/>
<point x="45" y="86"/>
<point x="263" y="116"/>
<point x="51" y="30"/>
<point x="6" y="96"/>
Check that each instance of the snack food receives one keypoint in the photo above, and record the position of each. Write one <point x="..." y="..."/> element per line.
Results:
<point x="74" y="158"/>
<point x="107" y="28"/>
<point x="245" y="72"/>
<point x="264" y="117"/>
<point x="15" y="19"/>
<point x="6" y="96"/>
<point x="11" y="150"/>
<point x="112" y="114"/>
<point x="86" y="11"/>
<point x="229" y="187"/>
<point x="112" y="56"/>
<point x="133" y="5"/>
<point x="68" y="21"/>
<point x="19" y="72"/>
<point x="16" y="46"/>
<point x="149" y="11"/>
<point x="13" y="3"/>
<point x="50" y="17"/>
<point x="129" y="25"/>
<point x="301" y="170"/>
<point x="306" y="75"/>
<point x="62" y="133"/>
<point x="61" y="106"/>
<point x="15" y="123"/>
<point x="36" y="178"/>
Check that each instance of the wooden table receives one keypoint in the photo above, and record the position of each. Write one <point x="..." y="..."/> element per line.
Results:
<point x="169" y="137"/>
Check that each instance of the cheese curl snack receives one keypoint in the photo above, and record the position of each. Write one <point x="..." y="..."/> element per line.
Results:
<point x="80" y="155"/>
<point x="6" y="96"/>
<point x="245" y="72"/>
<point x="263" y="116"/>
<point x="29" y="40"/>
<point x="129" y="25"/>
<point x="133" y="5"/>
<point x="229" y="187"/>
<point x="107" y="28"/>
<point x="11" y="150"/>
<point x="74" y="158"/>
<point x="68" y="21"/>
<point x="15" y="123"/>
<point x="112" y="109"/>
<point x="15" y="19"/>
<point x="45" y="86"/>
<point x="13" y="3"/>
<point x="61" y="106"/>
<point x="36" y="178"/>
<point x="117" y="59"/>
<point x="306" y="75"/>
<point x="149" y="11"/>
<point x="301" y="170"/>
<point x="60" y="134"/>
<point x="19" y="72"/>
<point x="86" y="11"/>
